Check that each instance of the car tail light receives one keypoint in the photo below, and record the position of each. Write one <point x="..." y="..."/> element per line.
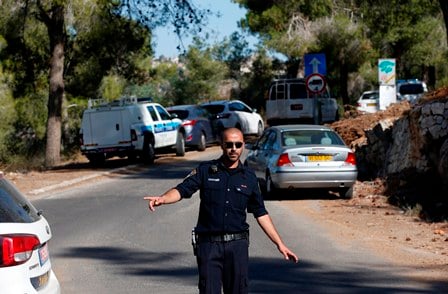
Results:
<point x="133" y="135"/>
<point x="351" y="159"/>
<point x="284" y="160"/>
<point x="189" y="122"/>
<point x="16" y="249"/>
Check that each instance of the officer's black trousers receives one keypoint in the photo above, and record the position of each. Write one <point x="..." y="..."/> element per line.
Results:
<point x="223" y="265"/>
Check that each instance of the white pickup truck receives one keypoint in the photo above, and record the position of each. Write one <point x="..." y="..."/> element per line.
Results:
<point x="129" y="127"/>
<point x="289" y="102"/>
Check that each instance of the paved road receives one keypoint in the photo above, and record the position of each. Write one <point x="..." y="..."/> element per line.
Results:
<point x="106" y="241"/>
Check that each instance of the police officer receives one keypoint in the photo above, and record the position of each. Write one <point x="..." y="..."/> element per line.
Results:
<point x="227" y="190"/>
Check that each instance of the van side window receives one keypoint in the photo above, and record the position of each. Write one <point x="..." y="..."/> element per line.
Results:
<point x="281" y="91"/>
<point x="153" y="113"/>
<point x="273" y="93"/>
<point x="163" y="113"/>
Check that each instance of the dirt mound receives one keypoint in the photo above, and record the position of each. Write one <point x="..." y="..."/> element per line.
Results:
<point x="353" y="125"/>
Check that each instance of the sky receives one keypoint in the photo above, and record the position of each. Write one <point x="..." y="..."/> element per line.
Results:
<point x="165" y="40"/>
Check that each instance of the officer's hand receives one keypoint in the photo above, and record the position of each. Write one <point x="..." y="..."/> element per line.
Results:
<point x="153" y="201"/>
<point x="288" y="254"/>
<point x="291" y="256"/>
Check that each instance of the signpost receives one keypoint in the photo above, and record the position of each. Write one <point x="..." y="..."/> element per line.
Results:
<point x="315" y="83"/>
<point x="315" y="63"/>
<point x="315" y="70"/>
<point x="386" y="77"/>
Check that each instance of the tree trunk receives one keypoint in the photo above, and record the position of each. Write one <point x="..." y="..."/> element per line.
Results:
<point x="343" y="78"/>
<point x="56" y="32"/>
<point x="444" y="7"/>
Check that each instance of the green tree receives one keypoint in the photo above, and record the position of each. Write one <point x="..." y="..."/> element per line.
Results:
<point x="202" y="77"/>
<point x="7" y="110"/>
<point x="284" y="26"/>
<point x="403" y="29"/>
<point x="59" y="20"/>
<point x="234" y="51"/>
<point x="395" y="29"/>
<point x="257" y="82"/>
<point x="106" y="45"/>
<point x="343" y="42"/>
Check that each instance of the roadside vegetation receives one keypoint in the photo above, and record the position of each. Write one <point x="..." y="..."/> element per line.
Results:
<point x="55" y="55"/>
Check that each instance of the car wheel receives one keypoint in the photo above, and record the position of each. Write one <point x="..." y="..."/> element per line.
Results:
<point x="97" y="159"/>
<point x="132" y="157"/>
<point x="271" y="190"/>
<point x="346" y="193"/>
<point x="180" y="145"/>
<point x="202" y="143"/>
<point x="260" y="129"/>
<point x="149" y="154"/>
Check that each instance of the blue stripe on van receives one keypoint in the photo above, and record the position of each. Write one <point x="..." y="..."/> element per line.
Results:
<point x="146" y="128"/>
<point x="171" y="126"/>
<point x="160" y="128"/>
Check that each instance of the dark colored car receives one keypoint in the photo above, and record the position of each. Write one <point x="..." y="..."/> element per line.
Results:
<point x="196" y="125"/>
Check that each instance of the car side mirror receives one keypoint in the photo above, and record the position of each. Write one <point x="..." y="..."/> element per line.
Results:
<point x="174" y="115"/>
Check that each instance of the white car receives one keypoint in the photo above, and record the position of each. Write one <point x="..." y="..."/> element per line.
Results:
<point x="302" y="156"/>
<point x="235" y="113"/>
<point x="369" y="102"/>
<point x="411" y="90"/>
<point x="25" y="265"/>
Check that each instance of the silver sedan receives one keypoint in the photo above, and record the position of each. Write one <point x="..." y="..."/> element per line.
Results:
<point x="303" y="156"/>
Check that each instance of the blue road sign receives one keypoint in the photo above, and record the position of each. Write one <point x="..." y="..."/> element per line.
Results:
<point x="315" y="63"/>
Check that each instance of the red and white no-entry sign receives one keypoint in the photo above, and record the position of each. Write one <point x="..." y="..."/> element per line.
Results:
<point x="315" y="83"/>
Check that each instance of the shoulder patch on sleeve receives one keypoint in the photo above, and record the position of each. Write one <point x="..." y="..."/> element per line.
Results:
<point x="192" y="173"/>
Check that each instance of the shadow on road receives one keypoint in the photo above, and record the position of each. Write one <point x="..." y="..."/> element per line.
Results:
<point x="266" y="275"/>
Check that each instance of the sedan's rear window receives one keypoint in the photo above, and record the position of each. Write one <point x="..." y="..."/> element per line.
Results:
<point x="367" y="96"/>
<point x="315" y="137"/>
<point x="14" y="207"/>
<point x="181" y="114"/>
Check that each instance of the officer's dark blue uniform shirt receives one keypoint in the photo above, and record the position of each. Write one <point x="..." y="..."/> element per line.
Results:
<point x="225" y="195"/>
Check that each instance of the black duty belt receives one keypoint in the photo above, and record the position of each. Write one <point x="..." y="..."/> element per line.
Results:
<point x="223" y="237"/>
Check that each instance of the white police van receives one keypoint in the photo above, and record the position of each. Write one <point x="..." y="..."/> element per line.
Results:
<point x="129" y="127"/>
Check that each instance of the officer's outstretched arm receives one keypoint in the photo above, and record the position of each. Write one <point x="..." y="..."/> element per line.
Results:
<point x="268" y="227"/>
<point x="170" y="196"/>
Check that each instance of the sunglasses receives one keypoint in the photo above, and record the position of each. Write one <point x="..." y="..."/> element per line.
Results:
<point x="229" y="145"/>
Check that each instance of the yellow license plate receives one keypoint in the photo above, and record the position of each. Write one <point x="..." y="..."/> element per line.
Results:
<point x="371" y="104"/>
<point x="320" y="157"/>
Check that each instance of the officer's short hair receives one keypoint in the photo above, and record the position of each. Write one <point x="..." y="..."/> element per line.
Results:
<point x="221" y="135"/>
